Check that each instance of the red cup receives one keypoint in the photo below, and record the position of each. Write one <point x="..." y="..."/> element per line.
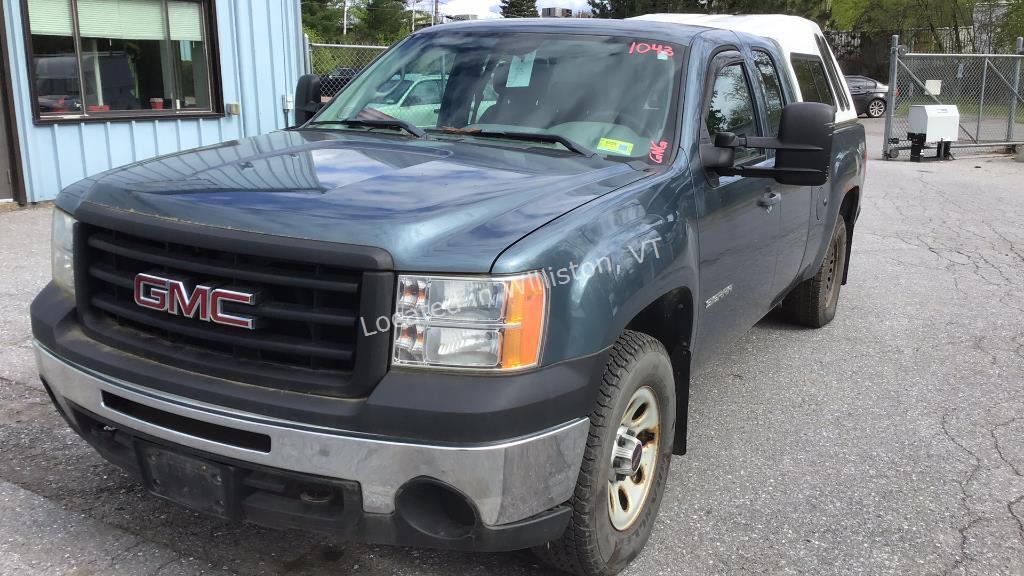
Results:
<point x="156" y="103"/>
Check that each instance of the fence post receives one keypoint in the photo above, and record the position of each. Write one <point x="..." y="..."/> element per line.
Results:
<point x="1015" y="95"/>
<point x="981" y="101"/>
<point x="307" y="54"/>
<point x="894" y="55"/>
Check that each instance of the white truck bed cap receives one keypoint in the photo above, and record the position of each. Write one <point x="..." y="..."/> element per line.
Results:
<point x="793" y="34"/>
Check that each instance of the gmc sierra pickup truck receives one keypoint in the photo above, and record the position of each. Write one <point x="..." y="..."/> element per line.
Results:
<point x="465" y="315"/>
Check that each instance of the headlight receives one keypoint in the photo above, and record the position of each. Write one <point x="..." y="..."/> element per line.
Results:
<point x="62" y="250"/>
<point x="483" y="323"/>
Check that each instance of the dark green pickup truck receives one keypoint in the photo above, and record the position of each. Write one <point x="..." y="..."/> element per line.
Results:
<point x="463" y="316"/>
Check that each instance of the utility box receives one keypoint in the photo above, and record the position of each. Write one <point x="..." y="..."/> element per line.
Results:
<point x="933" y="123"/>
<point x="938" y="123"/>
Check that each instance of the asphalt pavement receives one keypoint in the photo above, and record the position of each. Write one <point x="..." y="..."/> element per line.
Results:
<point x="889" y="442"/>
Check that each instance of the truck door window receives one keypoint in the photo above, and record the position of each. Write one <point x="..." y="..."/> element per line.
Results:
<point x="426" y="92"/>
<point x="732" y="108"/>
<point x="810" y="75"/>
<point x="773" y="97"/>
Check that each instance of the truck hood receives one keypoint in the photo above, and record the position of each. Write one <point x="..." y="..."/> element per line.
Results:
<point x="434" y="205"/>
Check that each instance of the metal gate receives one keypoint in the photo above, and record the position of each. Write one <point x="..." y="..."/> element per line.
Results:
<point x="986" y="88"/>
<point x="337" y="64"/>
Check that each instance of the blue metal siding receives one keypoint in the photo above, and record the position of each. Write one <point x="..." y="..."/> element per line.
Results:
<point x="260" y="60"/>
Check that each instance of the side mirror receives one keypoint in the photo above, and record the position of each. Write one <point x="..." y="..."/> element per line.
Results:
<point x="307" y="98"/>
<point x="804" y="147"/>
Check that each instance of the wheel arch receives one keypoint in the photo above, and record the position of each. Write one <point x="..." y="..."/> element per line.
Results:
<point x="670" y="319"/>
<point x="849" y="209"/>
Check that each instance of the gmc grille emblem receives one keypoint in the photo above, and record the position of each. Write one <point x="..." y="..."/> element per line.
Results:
<point x="205" y="303"/>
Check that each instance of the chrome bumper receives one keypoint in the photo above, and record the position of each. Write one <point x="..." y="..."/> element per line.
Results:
<point x="507" y="481"/>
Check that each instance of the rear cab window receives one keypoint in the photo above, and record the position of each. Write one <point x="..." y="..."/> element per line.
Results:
<point x="811" y="77"/>
<point x="833" y="72"/>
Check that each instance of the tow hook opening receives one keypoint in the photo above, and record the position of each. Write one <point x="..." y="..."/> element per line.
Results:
<point x="436" y="509"/>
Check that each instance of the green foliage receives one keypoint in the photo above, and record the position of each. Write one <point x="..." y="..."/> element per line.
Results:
<point x="901" y="14"/>
<point x="519" y="8"/>
<point x="382" y="22"/>
<point x="321" y="20"/>
<point x="1012" y="26"/>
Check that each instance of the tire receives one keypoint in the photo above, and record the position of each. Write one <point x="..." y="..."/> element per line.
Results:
<point x="813" y="302"/>
<point x="876" y="108"/>
<point x="599" y="541"/>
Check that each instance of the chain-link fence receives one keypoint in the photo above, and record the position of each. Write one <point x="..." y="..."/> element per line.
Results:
<point x="985" y="88"/>
<point x="338" y="64"/>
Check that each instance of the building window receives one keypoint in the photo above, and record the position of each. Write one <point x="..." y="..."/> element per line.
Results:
<point x="116" y="58"/>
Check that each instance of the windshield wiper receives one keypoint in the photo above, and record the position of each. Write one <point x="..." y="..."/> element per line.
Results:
<point x="548" y="137"/>
<point x="395" y="124"/>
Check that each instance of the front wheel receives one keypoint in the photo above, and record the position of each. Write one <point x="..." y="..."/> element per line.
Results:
<point x="876" y="108"/>
<point x="625" y="465"/>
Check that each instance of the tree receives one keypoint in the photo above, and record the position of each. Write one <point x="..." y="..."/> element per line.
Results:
<point x="1012" y="26"/>
<point x="381" y="21"/>
<point x="321" y="19"/>
<point x="937" y="25"/>
<point x="519" y="8"/>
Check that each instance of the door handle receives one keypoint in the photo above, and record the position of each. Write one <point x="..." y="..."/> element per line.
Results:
<point x="769" y="199"/>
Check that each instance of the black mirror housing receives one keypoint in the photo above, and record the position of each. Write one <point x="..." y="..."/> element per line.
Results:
<point x="807" y="127"/>
<point x="307" y="98"/>
<point x="803" y="147"/>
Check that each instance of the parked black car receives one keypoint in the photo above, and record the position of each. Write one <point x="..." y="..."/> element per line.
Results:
<point x="868" y="95"/>
<point x="332" y="82"/>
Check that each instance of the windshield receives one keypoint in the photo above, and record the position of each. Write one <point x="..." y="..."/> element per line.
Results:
<point x="613" y="95"/>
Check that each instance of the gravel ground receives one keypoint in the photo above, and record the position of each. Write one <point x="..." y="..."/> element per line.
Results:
<point x="891" y="441"/>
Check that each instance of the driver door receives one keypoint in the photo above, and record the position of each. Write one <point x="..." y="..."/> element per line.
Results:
<point x="739" y="217"/>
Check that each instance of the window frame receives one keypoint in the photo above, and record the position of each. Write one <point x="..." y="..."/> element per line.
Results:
<point x="754" y="51"/>
<point x="210" y="28"/>
<point x="720" y="60"/>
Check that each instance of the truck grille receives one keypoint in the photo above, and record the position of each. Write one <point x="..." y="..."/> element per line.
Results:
<point x="306" y="335"/>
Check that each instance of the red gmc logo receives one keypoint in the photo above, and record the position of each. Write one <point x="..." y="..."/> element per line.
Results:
<point x="203" y="302"/>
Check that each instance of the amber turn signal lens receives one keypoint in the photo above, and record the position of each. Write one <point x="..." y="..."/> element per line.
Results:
<point x="525" y="316"/>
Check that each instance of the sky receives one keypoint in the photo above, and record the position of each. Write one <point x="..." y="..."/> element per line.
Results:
<point x="491" y="8"/>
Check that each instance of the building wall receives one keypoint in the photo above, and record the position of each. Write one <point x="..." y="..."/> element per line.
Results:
<point x="260" y="59"/>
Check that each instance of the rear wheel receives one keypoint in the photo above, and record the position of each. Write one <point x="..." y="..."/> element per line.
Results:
<point x="876" y="108"/>
<point x="625" y="464"/>
<point x="813" y="302"/>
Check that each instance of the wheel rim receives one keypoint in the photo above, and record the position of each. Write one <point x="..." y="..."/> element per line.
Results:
<point x="634" y="458"/>
<point x="831" y="282"/>
<point x="876" y="108"/>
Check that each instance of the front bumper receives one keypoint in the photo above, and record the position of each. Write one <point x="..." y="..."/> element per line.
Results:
<point x="514" y="482"/>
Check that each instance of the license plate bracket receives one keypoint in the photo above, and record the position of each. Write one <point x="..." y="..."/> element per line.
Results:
<point x="193" y="482"/>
